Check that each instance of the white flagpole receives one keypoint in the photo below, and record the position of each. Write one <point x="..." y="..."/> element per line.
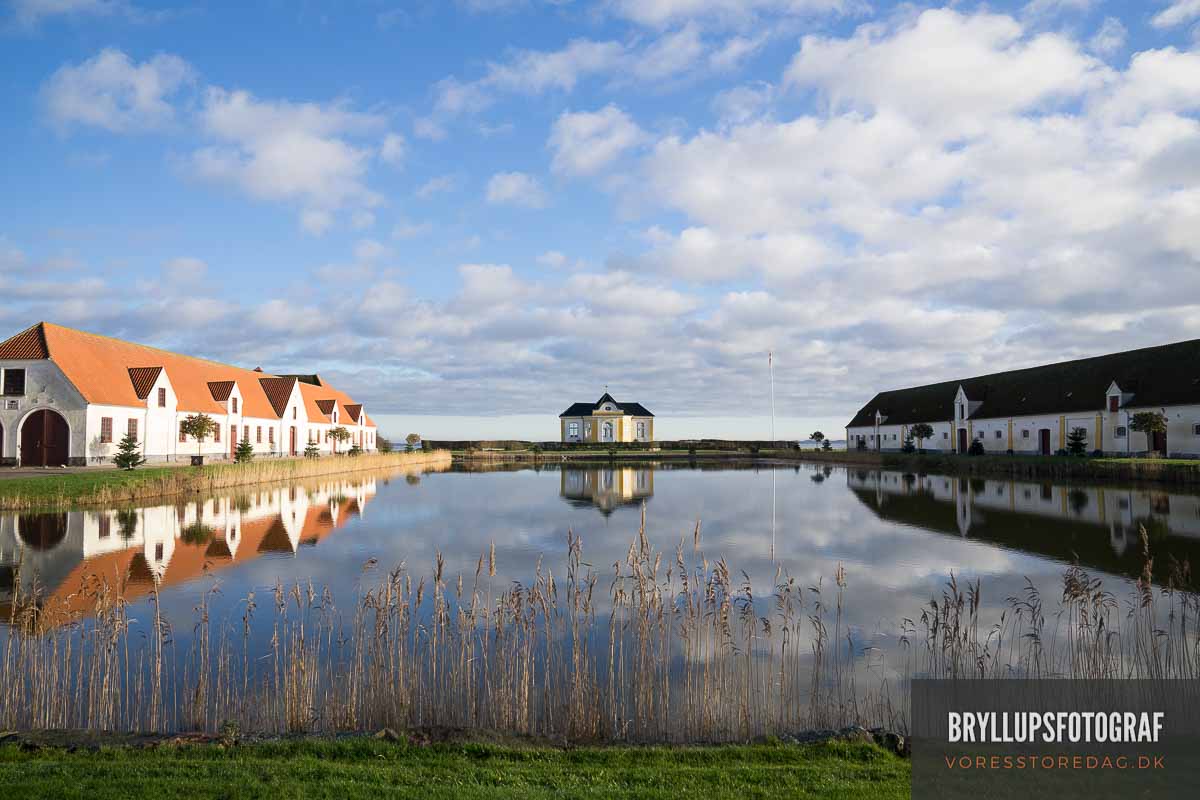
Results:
<point x="771" y="369"/>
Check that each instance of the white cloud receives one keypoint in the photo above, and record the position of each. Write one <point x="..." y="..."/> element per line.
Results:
<point x="393" y="149"/>
<point x="669" y="55"/>
<point x="185" y="270"/>
<point x="29" y="13"/>
<point x="743" y="103"/>
<point x="516" y="188"/>
<point x="585" y="142"/>
<point x="369" y="250"/>
<point x="110" y="91"/>
<point x="436" y="185"/>
<point x="1177" y="13"/>
<point x="661" y="13"/>
<point x="297" y="152"/>
<point x="735" y="50"/>
<point x="1109" y="38"/>
<point x="407" y="229"/>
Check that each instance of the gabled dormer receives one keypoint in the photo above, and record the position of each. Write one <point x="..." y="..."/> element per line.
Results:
<point x="964" y="406"/>
<point x="228" y="394"/>
<point x="1116" y="397"/>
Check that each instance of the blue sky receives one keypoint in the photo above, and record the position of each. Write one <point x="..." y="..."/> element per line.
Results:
<point x="472" y="214"/>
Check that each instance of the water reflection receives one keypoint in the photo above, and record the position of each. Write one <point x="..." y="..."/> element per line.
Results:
<point x="606" y="488"/>
<point x="1096" y="527"/>
<point x="55" y="555"/>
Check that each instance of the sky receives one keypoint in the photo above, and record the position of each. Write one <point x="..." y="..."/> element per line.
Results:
<point x="472" y="214"/>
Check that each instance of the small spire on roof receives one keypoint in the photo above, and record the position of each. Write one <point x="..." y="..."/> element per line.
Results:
<point x="258" y="369"/>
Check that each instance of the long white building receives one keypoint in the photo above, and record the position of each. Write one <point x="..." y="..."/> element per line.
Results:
<point x="68" y="398"/>
<point x="1032" y="411"/>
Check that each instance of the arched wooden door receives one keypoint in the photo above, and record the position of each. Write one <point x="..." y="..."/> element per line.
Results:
<point x="44" y="440"/>
<point x="42" y="531"/>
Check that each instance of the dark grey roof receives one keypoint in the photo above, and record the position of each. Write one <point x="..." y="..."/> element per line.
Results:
<point x="1156" y="376"/>
<point x="586" y="409"/>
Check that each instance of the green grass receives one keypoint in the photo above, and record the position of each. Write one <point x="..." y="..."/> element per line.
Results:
<point x="370" y="768"/>
<point x="82" y="484"/>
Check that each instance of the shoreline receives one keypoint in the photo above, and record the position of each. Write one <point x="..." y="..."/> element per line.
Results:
<point x="108" y="487"/>
<point x="1167" y="472"/>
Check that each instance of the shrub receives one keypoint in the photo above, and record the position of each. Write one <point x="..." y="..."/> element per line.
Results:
<point x="1009" y="452"/>
<point x="355" y="450"/>
<point x="825" y="445"/>
<point x="312" y="451"/>
<point x="1077" y="442"/>
<point x="691" y="451"/>
<point x="128" y="457"/>
<point x="1061" y="452"/>
<point x="1097" y="453"/>
<point x="976" y="448"/>
<point x="244" y="453"/>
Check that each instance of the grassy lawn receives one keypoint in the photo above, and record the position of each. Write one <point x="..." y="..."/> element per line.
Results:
<point x="370" y="768"/>
<point x="53" y="485"/>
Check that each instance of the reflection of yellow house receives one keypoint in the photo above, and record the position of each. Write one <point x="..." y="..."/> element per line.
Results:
<point x="607" y="488"/>
<point x="606" y="420"/>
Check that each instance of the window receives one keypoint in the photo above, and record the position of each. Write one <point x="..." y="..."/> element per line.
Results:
<point x="105" y="430"/>
<point x="271" y="435"/>
<point x="962" y="409"/>
<point x="158" y="552"/>
<point x="945" y="434"/>
<point x="182" y="435"/>
<point x="998" y="434"/>
<point x="1025" y="433"/>
<point x="293" y="412"/>
<point x="1196" y="430"/>
<point x="105" y="526"/>
<point x="246" y="432"/>
<point x="1114" y="402"/>
<point x="641" y="430"/>
<point x="258" y="435"/>
<point x="217" y="433"/>
<point x="1120" y="432"/>
<point x="131" y="428"/>
<point x="573" y="429"/>
<point x="233" y="400"/>
<point x="14" y="382"/>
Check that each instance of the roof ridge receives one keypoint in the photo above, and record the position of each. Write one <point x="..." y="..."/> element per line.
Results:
<point x="152" y="348"/>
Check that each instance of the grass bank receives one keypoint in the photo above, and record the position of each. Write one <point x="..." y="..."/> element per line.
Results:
<point x="372" y="768"/>
<point x="1058" y="468"/>
<point x="108" y="487"/>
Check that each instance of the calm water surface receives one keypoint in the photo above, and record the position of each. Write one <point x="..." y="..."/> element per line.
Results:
<point x="899" y="537"/>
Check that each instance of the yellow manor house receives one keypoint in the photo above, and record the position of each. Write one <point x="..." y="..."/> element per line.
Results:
<point x="606" y="420"/>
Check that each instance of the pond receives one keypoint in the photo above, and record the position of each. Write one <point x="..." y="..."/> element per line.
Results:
<point x="887" y="542"/>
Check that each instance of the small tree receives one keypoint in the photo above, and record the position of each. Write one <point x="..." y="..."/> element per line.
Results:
<point x="339" y="434"/>
<point x="1149" y="423"/>
<point x="1077" y="442"/>
<point x="826" y="445"/>
<point x="817" y="437"/>
<point x="410" y="441"/>
<point x="383" y="445"/>
<point x="976" y="448"/>
<point x="199" y="427"/>
<point x="921" y="431"/>
<point x="355" y="450"/>
<point x="244" y="453"/>
<point x="312" y="451"/>
<point x="128" y="456"/>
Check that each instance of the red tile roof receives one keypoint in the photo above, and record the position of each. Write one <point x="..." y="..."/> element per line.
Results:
<point x="29" y="343"/>
<point x="100" y="368"/>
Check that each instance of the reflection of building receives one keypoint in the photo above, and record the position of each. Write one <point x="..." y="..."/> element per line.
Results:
<point x="606" y="487"/>
<point x="138" y="549"/>
<point x="1097" y="527"/>
<point x="606" y="421"/>
<point x="1032" y="411"/>
<point x="69" y="397"/>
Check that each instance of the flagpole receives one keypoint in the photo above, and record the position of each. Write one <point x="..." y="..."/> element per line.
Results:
<point x="771" y="369"/>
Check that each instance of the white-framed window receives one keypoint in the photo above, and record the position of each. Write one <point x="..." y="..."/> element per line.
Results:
<point x="587" y="429"/>
<point x="573" y="429"/>
<point x="945" y="434"/>
<point x="641" y="430"/>
<point x="998" y="434"/>
<point x="607" y="429"/>
<point x="1120" y="432"/>
<point x="1196" y="429"/>
<point x="1025" y="433"/>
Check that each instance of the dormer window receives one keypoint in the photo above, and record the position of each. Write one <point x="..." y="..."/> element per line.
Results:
<point x="233" y="405"/>
<point x="14" y="382"/>
<point x="962" y="409"/>
<point x="1114" y="403"/>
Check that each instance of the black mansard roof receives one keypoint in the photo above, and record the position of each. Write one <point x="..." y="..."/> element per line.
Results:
<point x="586" y="409"/>
<point x="1156" y="376"/>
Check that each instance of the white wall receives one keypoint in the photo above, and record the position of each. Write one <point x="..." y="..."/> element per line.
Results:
<point x="45" y="387"/>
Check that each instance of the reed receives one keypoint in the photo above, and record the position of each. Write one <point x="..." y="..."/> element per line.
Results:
<point x="114" y="487"/>
<point x="676" y="649"/>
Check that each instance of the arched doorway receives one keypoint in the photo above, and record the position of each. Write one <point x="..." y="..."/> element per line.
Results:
<point x="44" y="440"/>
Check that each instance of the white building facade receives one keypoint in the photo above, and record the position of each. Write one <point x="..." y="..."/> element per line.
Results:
<point x="1033" y="411"/>
<point x="68" y="398"/>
